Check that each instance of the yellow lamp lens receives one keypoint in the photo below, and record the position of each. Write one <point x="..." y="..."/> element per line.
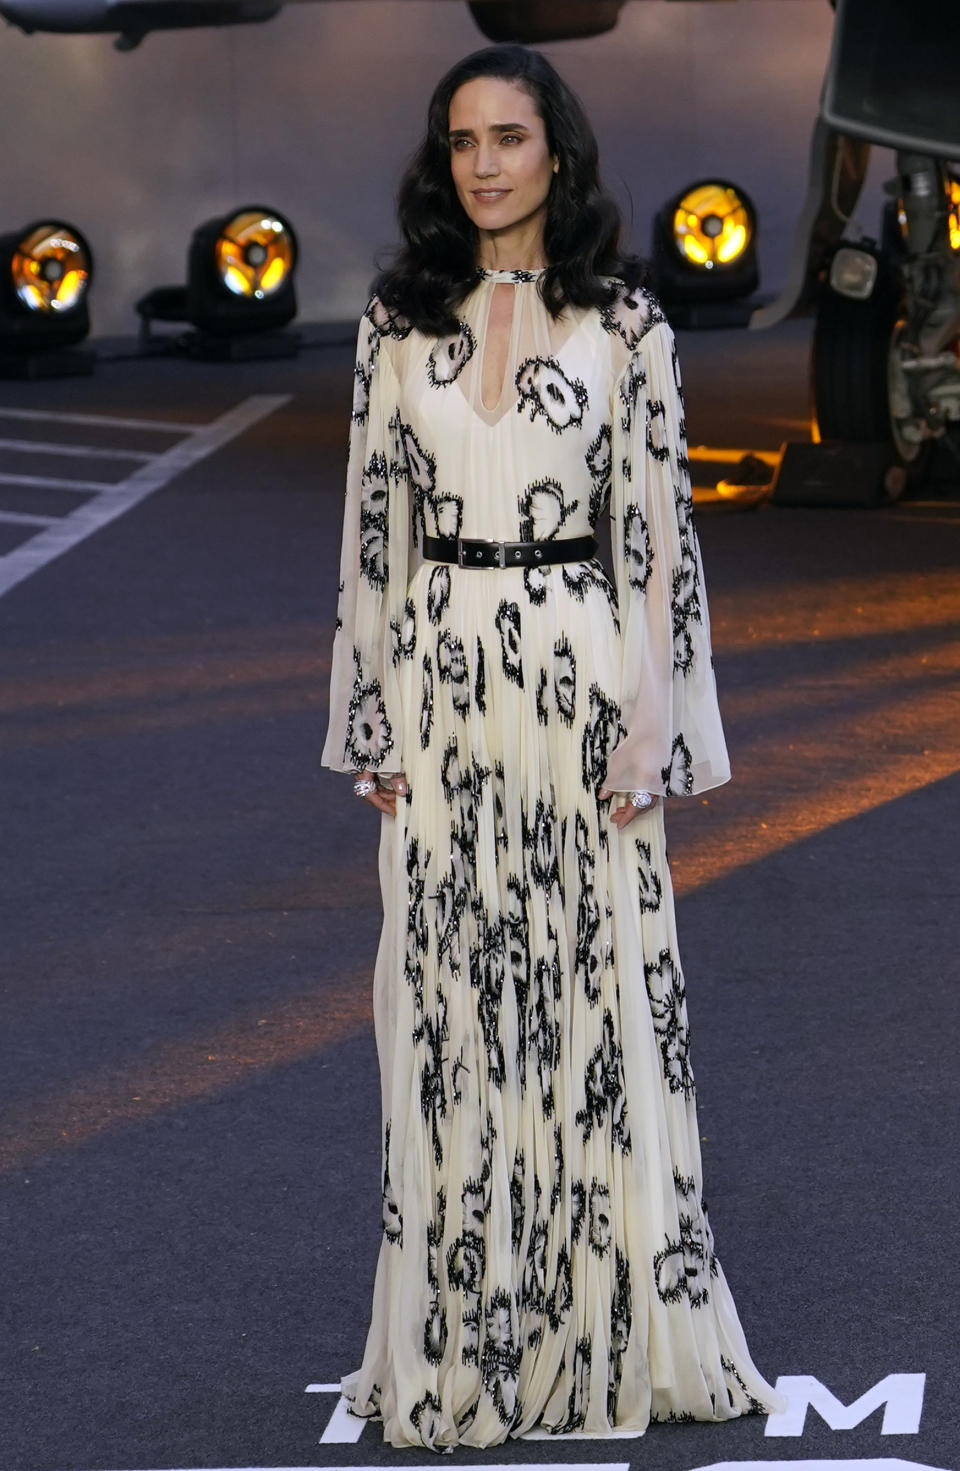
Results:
<point x="50" y="269"/>
<point x="254" y="255"/>
<point x="712" y="226"/>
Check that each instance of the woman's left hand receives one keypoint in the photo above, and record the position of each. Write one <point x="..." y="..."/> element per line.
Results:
<point x="625" y="814"/>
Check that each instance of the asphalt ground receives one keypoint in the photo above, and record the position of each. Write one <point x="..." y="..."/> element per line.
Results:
<point x="189" y="914"/>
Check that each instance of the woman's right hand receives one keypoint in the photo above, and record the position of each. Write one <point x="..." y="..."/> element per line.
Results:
<point x="383" y="800"/>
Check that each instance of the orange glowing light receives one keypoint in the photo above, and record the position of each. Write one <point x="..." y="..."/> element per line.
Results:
<point x="712" y="225"/>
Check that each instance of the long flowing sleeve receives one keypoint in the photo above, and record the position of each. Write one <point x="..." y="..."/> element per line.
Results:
<point x="364" y="723"/>
<point x="674" y="742"/>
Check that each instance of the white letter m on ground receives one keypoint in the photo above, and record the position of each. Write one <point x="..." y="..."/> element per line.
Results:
<point x="900" y="1394"/>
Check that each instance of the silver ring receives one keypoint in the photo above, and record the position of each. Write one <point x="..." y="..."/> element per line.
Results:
<point x="641" y="800"/>
<point x="364" y="786"/>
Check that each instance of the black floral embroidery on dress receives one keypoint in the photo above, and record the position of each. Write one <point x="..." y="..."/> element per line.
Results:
<point x="599" y="1232"/>
<point x="426" y="703"/>
<point x="540" y="844"/>
<point x="543" y="715"/>
<point x="579" y="1390"/>
<point x="369" y="733"/>
<point x="392" y="1218"/>
<point x="501" y="833"/>
<point x="560" y="1298"/>
<point x="632" y="382"/>
<point x="682" y="1268"/>
<point x="651" y="889"/>
<point x="451" y="902"/>
<point x="500" y="1356"/>
<point x="438" y="592"/>
<point x="543" y="510"/>
<point x="452" y="670"/>
<point x="466" y="1267"/>
<point x="602" y="729"/>
<point x="545" y="389"/>
<point x="543" y="1025"/>
<point x="403" y="634"/>
<point x="631" y="315"/>
<point x="374" y="499"/>
<point x="565" y="680"/>
<point x="450" y="355"/>
<point x="756" y="1407"/>
<point x="480" y="679"/>
<point x="517" y="1206"/>
<point x="433" y="1093"/>
<point x="587" y="962"/>
<point x="435" y="1325"/>
<point x="508" y="625"/>
<point x="425" y="1417"/>
<point x="637" y="551"/>
<point x="339" y="604"/>
<point x="363" y="378"/>
<point x="603" y="1087"/>
<point x="535" y="582"/>
<point x="578" y="1209"/>
<point x="657" y="442"/>
<point x="452" y="778"/>
<point x="685" y="584"/>
<point x="446" y="514"/>
<point x="667" y="995"/>
<point x="533" y="1285"/>
<point x="599" y="464"/>
<point x="678" y="775"/>
<point x="386" y="323"/>
<point x="422" y="469"/>
<point x="487" y="965"/>
<point x="621" y="1318"/>
<point x="416" y="931"/>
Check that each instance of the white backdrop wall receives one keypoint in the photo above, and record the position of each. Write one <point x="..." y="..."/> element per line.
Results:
<point x="315" y="113"/>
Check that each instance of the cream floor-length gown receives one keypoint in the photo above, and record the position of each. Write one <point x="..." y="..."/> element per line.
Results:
<point x="546" y="1258"/>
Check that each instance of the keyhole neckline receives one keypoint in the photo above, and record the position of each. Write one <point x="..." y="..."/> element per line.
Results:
<point x="517" y="277"/>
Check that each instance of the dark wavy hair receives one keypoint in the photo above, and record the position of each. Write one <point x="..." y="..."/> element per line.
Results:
<point x="436" y="265"/>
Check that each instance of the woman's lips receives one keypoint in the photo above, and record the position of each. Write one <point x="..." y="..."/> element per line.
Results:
<point x="489" y="196"/>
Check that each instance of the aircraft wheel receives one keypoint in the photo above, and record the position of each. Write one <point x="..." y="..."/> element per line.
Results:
<point x="858" y="387"/>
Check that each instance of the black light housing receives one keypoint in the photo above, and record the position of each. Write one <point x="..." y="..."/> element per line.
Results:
<point x="240" y="288"/>
<point x="704" y="255"/>
<point x="45" y="274"/>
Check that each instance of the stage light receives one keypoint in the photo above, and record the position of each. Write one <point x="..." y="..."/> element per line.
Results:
<point x="704" y="254"/>
<point x="45" y="274"/>
<point x="240" y="288"/>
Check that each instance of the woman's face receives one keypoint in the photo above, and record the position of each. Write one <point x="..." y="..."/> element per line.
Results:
<point x="501" y="165"/>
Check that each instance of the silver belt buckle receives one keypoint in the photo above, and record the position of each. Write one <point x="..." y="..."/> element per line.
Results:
<point x="501" y="554"/>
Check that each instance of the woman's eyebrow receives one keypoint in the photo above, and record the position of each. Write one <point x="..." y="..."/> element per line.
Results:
<point x="493" y="128"/>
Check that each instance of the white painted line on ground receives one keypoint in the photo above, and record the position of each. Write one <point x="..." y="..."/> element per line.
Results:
<point x="322" y="1389"/>
<point x="498" y="1466"/>
<point x="109" y="421"/>
<point x="45" y="447"/>
<point x="343" y="1428"/>
<point x="22" y="518"/>
<point x="116" y="499"/>
<point x="53" y="482"/>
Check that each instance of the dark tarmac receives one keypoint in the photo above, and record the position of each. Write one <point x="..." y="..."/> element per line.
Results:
<point x="189" y="912"/>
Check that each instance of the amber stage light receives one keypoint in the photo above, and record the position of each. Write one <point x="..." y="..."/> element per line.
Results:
<point x="254" y="254"/>
<point x="45" y="274"/>
<point x="240" y="288"/>
<point x="712" y="225"/>
<point x="704" y="253"/>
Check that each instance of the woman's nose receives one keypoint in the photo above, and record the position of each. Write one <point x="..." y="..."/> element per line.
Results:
<point x="485" y="161"/>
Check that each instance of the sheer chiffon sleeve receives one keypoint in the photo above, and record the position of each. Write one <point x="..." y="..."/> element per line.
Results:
<point x="674" y="742"/>
<point x="364" y="724"/>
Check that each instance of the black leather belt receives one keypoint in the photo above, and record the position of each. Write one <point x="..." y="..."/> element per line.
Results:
<point x="482" y="552"/>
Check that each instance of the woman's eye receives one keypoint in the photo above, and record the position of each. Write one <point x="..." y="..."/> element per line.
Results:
<point x="507" y="137"/>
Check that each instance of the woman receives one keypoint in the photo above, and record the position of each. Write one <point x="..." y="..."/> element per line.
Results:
<point x="546" y="1258"/>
